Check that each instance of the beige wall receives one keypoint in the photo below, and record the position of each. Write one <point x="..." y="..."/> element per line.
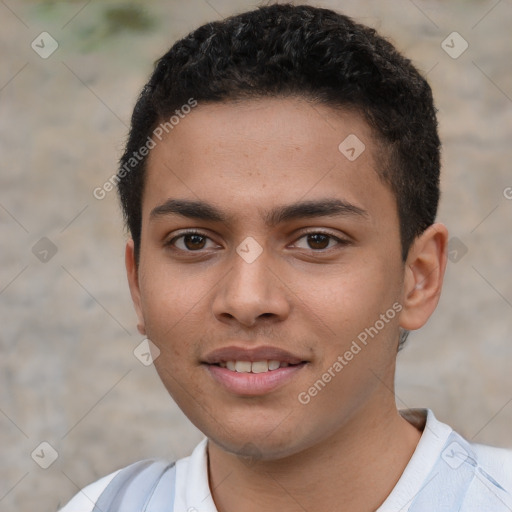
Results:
<point x="67" y="372"/>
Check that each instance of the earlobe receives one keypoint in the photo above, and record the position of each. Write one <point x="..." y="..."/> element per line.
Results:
<point x="424" y="274"/>
<point x="133" y="282"/>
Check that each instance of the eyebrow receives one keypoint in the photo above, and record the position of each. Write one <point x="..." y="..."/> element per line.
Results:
<point x="201" y="210"/>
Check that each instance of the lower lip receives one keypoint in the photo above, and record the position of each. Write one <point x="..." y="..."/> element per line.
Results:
<point x="253" y="384"/>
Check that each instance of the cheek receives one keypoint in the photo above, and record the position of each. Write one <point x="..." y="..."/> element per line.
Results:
<point x="346" y="298"/>
<point x="171" y="298"/>
<point x="348" y="309"/>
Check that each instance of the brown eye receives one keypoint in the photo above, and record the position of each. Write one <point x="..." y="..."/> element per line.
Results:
<point x="193" y="242"/>
<point x="189" y="242"/>
<point x="318" y="240"/>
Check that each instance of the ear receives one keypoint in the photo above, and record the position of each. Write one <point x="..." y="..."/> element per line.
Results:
<point x="133" y="282"/>
<point x="424" y="274"/>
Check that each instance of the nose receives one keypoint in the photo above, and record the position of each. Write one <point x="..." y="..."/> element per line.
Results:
<point x="251" y="292"/>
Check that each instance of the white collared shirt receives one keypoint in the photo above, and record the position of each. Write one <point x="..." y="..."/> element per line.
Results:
<point x="445" y="473"/>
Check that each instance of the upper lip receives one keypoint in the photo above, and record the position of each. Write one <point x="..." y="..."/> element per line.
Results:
<point x="265" y="353"/>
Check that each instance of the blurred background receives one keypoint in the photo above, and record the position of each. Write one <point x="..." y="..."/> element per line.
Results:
<point x="70" y="72"/>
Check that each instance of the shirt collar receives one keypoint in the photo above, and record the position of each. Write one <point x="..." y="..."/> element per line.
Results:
<point x="193" y="490"/>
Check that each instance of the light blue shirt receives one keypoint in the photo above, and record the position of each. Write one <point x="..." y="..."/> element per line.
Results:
<point x="446" y="473"/>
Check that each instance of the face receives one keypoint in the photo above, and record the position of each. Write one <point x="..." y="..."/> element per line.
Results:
<point x="263" y="241"/>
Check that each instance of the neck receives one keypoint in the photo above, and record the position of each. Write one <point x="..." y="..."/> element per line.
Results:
<point x="356" y="468"/>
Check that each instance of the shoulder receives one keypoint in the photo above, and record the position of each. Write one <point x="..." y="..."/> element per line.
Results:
<point x="85" y="500"/>
<point x="496" y="461"/>
<point x="449" y="472"/>
<point x="147" y="479"/>
<point x="481" y="473"/>
<point x="133" y="481"/>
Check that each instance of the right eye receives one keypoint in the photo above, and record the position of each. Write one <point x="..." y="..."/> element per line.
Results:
<point x="189" y="241"/>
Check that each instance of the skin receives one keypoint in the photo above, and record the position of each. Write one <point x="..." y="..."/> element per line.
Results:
<point x="348" y="445"/>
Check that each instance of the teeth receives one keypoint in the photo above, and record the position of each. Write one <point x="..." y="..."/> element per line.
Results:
<point x="259" y="367"/>
<point x="273" y="365"/>
<point x="243" y="366"/>
<point x="254" y="367"/>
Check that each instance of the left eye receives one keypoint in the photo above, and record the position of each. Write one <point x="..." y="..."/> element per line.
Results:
<point x="320" y="241"/>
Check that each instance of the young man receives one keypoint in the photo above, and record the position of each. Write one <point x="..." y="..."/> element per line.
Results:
<point x="280" y="184"/>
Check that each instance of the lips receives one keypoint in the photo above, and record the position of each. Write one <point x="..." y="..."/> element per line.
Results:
<point x="233" y="353"/>
<point x="252" y="372"/>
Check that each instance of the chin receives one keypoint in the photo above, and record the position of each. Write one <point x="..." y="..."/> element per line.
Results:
<point x="254" y="451"/>
<point x="263" y="443"/>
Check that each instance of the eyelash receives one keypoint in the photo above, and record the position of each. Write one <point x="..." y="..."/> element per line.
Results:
<point x="340" y="241"/>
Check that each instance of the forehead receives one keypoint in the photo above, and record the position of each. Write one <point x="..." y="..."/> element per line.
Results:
<point x="248" y="156"/>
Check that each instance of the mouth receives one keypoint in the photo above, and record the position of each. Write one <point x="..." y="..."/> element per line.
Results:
<point x="253" y="372"/>
<point x="262" y="366"/>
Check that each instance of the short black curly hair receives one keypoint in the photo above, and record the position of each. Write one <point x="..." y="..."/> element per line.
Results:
<point x="315" y="53"/>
